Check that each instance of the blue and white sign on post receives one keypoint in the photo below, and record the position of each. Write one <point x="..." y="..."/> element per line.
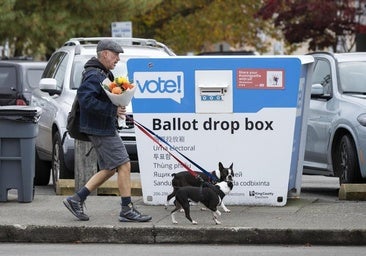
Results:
<point x="235" y="110"/>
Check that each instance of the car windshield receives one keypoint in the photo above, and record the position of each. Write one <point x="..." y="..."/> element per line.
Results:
<point x="353" y="76"/>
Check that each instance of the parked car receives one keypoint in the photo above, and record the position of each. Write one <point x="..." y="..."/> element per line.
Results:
<point x="336" y="131"/>
<point x="18" y="78"/>
<point x="57" y="89"/>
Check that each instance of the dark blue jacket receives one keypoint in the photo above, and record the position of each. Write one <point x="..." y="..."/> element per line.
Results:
<point x="98" y="115"/>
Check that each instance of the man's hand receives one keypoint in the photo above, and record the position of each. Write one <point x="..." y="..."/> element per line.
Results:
<point x="121" y="111"/>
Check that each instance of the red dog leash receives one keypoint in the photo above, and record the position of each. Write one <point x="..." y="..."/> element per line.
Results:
<point x="150" y="134"/>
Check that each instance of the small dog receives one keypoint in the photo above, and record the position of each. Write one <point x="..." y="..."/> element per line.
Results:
<point x="182" y="179"/>
<point x="209" y="195"/>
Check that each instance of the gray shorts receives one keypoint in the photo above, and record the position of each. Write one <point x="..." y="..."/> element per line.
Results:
<point x="110" y="150"/>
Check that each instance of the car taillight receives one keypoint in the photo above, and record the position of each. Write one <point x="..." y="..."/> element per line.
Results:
<point x="20" y="102"/>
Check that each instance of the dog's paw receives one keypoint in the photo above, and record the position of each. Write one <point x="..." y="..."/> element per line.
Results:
<point x="194" y="222"/>
<point x="175" y="222"/>
<point x="203" y="209"/>
<point x="215" y="218"/>
<point x="226" y="209"/>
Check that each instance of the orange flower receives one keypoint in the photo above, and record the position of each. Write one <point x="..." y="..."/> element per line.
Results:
<point x="117" y="90"/>
<point x="112" y="85"/>
<point x="126" y="86"/>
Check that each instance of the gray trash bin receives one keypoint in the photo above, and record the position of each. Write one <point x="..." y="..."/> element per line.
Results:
<point x="18" y="130"/>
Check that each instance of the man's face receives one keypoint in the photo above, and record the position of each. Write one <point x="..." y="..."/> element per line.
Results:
<point x="110" y="59"/>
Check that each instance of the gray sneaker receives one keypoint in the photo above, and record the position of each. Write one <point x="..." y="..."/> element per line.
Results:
<point x="76" y="208"/>
<point x="130" y="214"/>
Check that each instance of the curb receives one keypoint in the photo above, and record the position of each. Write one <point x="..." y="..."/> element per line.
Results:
<point x="177" y="235"/>
<point x="353" y="192"/>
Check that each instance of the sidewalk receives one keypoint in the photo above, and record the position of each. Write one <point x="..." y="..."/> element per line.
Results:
<point x="310" y="219"/>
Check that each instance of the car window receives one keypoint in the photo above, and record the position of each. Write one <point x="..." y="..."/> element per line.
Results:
<point x="77" y="71"/>
<point x="60" y="73"/>
<point x="56" y="68"/>
<point x="322" y="75"/>
<point x="53" y="64"/>
<point x="33" y="76"/>
<point x="352" y="76"/>
<point x="8" y="77"/>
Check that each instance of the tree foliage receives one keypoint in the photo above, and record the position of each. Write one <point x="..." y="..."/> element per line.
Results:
<point x="38" y="27"/>
<point x="193" y="25"/>
<point x="326" y="23"/>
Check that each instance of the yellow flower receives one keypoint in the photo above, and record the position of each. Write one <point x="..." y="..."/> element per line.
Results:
<point x="121" y="80"/>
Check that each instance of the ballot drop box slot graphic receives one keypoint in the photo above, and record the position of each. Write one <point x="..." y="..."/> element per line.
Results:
<point x="245" y="111"/>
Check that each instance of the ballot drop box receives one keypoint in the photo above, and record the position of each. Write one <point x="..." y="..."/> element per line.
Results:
<point x="249" y="111"/>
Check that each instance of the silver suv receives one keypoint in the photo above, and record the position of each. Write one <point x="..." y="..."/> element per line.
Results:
<point x="60" y="80"/>
<point x="336" y="133"/>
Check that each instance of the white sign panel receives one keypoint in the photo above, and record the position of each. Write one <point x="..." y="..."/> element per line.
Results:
<point x="240" y="111"/>
<point x="122" y="29"/>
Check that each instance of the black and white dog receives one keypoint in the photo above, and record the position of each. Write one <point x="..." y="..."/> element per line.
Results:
<point x="208" y="194"/>
<point x="183" y="179"/>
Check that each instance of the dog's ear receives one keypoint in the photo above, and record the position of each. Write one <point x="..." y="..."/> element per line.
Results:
<point x="221" y="166"/>
<point x="231" y="166"/>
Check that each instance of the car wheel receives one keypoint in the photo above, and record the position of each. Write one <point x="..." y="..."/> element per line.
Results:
<point x="346" y="161"/>
<point x="42" y="172"/>
<point x="59" y="169"/>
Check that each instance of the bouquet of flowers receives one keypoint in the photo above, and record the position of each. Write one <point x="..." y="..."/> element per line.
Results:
<point x="120" y="92"/>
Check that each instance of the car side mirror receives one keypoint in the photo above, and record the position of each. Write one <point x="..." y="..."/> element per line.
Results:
<point x="48" y="85"/>
<point x="317" y="90"/>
